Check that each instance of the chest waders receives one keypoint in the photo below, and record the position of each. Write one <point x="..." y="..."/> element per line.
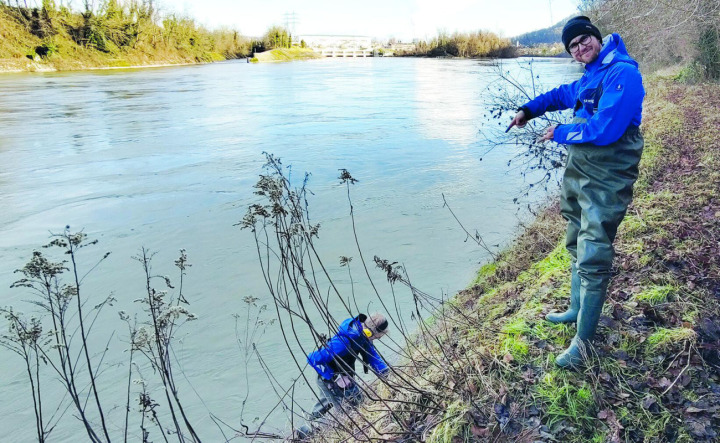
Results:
<point x="596" y="191"/>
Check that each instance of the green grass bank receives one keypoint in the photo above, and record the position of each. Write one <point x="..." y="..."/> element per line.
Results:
<point x="486" y="362"/>
<point x="285" y="55"/>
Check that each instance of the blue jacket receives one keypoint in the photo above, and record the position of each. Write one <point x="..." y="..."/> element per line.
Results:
<point x="340" y="352"/>
<point x="609" y="110"/>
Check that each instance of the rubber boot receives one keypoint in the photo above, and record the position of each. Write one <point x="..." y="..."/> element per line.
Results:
<point x="592" y="297"/>
<point x="569" y="316"/>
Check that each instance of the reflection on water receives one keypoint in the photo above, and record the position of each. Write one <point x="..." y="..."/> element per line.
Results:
<point x="167" y="158"/>
<point x="450" y="114"/>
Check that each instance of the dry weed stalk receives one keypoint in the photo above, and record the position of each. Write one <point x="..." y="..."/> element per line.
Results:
<point x="58" y="338"/>
<point x="432" y="359"/>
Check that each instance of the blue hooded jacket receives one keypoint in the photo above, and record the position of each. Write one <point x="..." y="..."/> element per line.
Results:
<point x="609" y="110"/>
<point x="349" y="343"/>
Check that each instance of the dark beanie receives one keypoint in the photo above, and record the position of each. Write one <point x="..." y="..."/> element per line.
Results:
<point x="578" y="26"/>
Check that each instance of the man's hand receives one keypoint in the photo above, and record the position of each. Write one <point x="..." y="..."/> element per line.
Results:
<point x="344" y="382"/>
<point x="549" y="134"/>
<point x="520" y="120"/>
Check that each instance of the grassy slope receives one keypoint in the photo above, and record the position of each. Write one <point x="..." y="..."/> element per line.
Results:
<point x="657" y="367"/>
<point x="286" y="55"/>
<point x="16" y="43"/>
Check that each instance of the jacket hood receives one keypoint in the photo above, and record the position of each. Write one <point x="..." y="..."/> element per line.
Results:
<point x="613" y="51"/>
<point x="351" y="328"/>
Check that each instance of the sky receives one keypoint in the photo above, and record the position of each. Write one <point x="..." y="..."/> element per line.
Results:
<point x="382" y="19"/>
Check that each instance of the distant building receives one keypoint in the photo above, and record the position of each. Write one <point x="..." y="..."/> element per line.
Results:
<point x="350" y="42"/>
<point x="339" y="45"/>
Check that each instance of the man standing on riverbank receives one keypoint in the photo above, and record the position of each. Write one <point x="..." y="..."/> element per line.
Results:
<point x="604" y="147"/>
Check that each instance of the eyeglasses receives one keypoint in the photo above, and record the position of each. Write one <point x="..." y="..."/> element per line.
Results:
<point x="584" y="40"/>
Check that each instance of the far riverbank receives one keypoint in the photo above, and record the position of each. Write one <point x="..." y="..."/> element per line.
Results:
<point x="129" y="35"/>
<point x="20" y="66"/>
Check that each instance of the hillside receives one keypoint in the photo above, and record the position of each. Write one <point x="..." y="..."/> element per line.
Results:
<point x="548" y="36"/>
<point x="483" y="368"/>
<point x="115" y="35"/>
<point x="544" y="42"/>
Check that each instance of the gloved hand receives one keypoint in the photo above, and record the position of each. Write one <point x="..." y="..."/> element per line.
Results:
<point x="339" y="385"/>
<point x="344" y="382"/>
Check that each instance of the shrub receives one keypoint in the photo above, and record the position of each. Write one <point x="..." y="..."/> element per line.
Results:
<point x="709" y="53"/>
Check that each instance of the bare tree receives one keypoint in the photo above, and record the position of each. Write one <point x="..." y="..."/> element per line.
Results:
<point x="664" y="32"/>
<point x="540" y="163"/>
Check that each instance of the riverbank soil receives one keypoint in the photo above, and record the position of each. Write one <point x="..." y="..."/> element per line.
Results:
<point x="485" y="365"/>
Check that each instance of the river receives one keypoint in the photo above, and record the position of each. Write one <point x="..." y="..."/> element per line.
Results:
<point x="166" y="158"/>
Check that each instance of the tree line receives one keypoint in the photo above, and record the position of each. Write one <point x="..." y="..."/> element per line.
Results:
<point x="464" y="44"/>
<point x="131" y="30"/>
<point x="668" y="32"/>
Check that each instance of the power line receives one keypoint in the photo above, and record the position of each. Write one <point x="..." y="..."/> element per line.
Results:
<point x="291" y="21"/>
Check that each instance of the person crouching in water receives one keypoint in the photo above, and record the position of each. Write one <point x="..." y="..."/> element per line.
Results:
<point x="335" y="362"/>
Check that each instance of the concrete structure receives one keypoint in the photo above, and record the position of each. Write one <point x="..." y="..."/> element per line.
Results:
<point x="339" y="45"/>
